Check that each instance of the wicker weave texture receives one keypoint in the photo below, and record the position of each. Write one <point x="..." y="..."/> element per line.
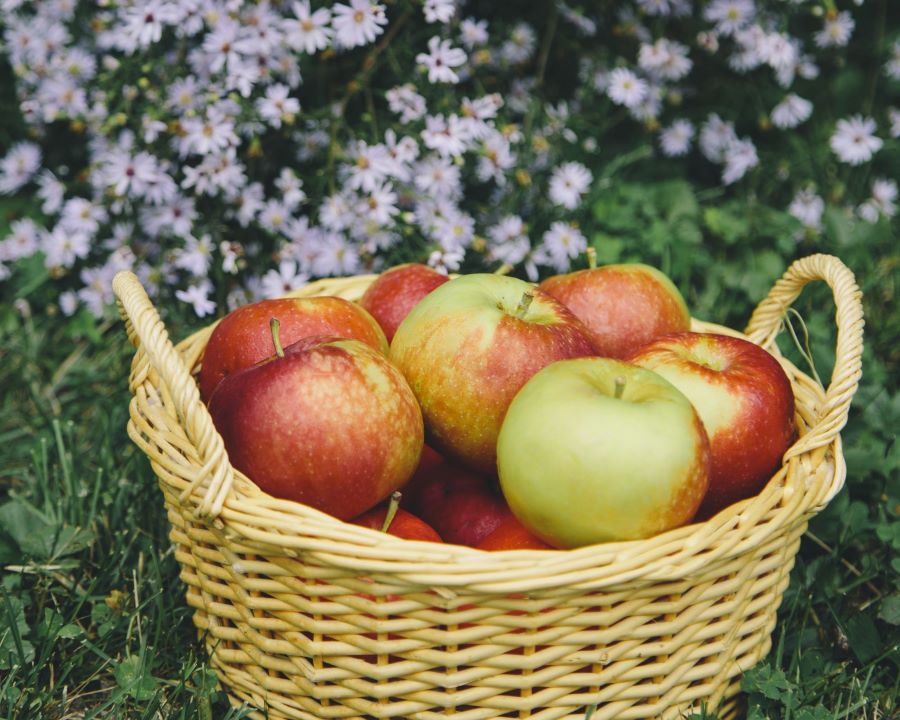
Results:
<point x="307" y="617"/>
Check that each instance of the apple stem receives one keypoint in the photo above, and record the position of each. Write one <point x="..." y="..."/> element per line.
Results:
<point x="275" y="326"/>
<point x="504" y="269"/>
<point x="592" y="257"/>
<point x="620" y="387"/>
<point x="524" y="304"/>
<point x="393" y="507"/>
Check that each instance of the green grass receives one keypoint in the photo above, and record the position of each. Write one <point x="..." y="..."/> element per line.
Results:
<point x="93" y="621"/>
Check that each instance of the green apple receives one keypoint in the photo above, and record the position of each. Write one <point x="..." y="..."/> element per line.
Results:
<point x="595" y="450"/>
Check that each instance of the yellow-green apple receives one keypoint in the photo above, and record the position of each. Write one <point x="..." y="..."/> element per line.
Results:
<point x="243" y="337"/>
<point x="397" y="291"/>
<point x="467" y="348"/>
<point x="328" y="422"/>
<point x="594" y="450"/>
<point x="744" y="399"/>
<point x="623" y="306"/>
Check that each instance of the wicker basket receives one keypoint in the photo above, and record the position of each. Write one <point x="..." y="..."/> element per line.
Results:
<point x="304" y="616"/>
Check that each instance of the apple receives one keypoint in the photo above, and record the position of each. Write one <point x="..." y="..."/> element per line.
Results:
<point x="623" y="306"/>
<point x="243" y="337"/>
<point x="512" y="535"/>
<point x="595" y="450"/>
<point x="467" y="348"/>
<point x="389" y="517"/>
<point x="461" y="506"/>
<point x="744" y="399"/>
<point x="397" y="291"/>
<point x="327" y="422"/>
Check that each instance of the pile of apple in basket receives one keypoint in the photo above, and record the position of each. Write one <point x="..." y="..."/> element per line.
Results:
<point x="578" y="411"/>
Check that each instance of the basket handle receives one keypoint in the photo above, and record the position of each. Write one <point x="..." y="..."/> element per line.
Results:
<point x="767" y="319"/>
<point x="146" y="331"/>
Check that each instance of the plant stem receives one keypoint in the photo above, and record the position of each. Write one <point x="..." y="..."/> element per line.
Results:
<point x="619" y="387"/>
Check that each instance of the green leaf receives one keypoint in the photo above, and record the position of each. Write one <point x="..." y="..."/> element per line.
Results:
<point x="39" y="536"/>
<point x="769" y="682"/>
<point x="135" y="680"/>
<point x="15" y="649"/>
<point x="890" y="609"/>
<point x="608" y="247"/>
<point x="30" y="529"/>
<point x="862" y="635"/>
<point x="814" y="713"/>
<point x="726" y="225"/>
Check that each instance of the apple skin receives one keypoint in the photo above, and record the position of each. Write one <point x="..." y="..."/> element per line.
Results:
<point x="623" y="306"/>
<point x="512" y="535"/>
<point x="461" y="506"/>
<point x="580" y="466"/>
<point x="404" y="525"/>
<point x="465" y="354"/>
<point x="243" y="337"/>
<point x="744" y="399"/>
<point x="331" y="424"/>
<point x="397" y="291"/>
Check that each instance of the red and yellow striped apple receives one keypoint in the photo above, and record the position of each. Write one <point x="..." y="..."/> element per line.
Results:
<point x="468" y="347"/>
<point x="744" y="399"/>
<point x="397" y="291"/>
<point x="327" y="422"/>
<point x="595" y="450"/>
<point x="243" y="337"/>
<point x="622" y="306"/>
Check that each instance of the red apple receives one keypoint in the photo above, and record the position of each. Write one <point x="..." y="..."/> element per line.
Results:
<point x="512" y="535"/>
<point x="467" y="517"/>
<point x="461" y="506"/>
<point x="402" y="524"/>
<point x="243" y="337"/>
<point x="329" y="423"/>
<point x="622" y="306"/>
<point x="468" y="347"/>
<point x="397" y="291"/>
<point x="744" y="399"/>
<point x="595" y="450"/>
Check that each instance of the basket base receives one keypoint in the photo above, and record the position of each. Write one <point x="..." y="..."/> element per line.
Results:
<point x="732" y="707"/>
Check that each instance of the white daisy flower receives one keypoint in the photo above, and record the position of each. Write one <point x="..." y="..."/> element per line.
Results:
<point x="277" y="107"/>
<point x="729" y="16"/>
<point x="740" y="156"/>
<point x="563" y="242"/>
<point x="18" y="166"/>
<point x="837" y="30"/>
<point x="279" y="282"/>
<point x="791" y="112"/>
<point x="440" y="60"/>
<point x="626" y="88"/>
<point x="568" y="183"/>
<point x="197" y="296"/>
<point x="358" y="23"/>
<point x="808" y="207"/>
<point x="715" y="137"/>
<point x="473" y="33"/>
<point x="676" y="139"/>
<point x="854" y="140"/>
<point x="406" y="102"/>
<point x="307" y="31"/>
<point x="441" y="11"/>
